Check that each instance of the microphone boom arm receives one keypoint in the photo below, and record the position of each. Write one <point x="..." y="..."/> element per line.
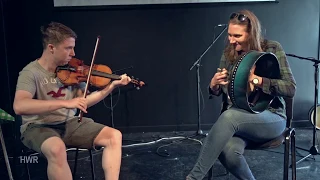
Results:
<point x="199" y="59"/>
<point x="304" y="58"/>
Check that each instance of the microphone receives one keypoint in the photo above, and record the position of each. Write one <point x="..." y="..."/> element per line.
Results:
<point x="221" y="25"/>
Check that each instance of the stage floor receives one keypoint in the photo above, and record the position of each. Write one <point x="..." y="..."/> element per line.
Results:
<point x="173" y="158"/>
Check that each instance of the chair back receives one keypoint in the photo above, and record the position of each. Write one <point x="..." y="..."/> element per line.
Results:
<point x="289" y="110"/>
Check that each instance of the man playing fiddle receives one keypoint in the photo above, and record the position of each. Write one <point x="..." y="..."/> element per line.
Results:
<point x="48" y="109"/>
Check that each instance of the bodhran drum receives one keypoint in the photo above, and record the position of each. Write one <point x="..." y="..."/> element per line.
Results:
<point x="311" y="113"/>
<point x="267" y="65"/>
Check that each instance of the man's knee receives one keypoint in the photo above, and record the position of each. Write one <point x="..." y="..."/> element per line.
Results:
<point x="54" y="149"/>
<point x="116" y="137"/>
<point x="109" y="137"/>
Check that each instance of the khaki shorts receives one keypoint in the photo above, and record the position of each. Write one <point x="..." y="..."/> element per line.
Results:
<point x="72" y="133"/>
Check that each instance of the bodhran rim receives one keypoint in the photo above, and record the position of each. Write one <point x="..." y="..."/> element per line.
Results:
<point x="240" y="75"/>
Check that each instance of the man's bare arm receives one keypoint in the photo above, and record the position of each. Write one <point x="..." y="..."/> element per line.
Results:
<point x="24" y="104"/>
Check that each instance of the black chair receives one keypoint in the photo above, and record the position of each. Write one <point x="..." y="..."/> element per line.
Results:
<point x="286" y="138"/>
<point x="91" y="163"/>
<point x="22" y="150"/>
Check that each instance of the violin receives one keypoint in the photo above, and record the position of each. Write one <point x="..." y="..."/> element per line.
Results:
<point x="76" y="71"/>
<point x="97" y="75"/>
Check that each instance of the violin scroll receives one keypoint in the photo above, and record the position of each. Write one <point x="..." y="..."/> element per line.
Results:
<point x="137" y="83"/>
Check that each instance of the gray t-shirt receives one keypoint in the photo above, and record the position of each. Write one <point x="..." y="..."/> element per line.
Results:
<point x="44" y="85"/>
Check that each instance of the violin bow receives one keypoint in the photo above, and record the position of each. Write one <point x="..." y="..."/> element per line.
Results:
<point x="89" y="75"/>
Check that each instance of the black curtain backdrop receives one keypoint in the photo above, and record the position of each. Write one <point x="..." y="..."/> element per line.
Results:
<point x="160" y="43"/>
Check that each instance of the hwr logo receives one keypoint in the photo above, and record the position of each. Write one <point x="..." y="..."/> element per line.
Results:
<point x="28" y="159"/>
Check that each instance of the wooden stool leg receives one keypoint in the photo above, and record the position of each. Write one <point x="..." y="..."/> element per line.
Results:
<point x="5" y="155"/>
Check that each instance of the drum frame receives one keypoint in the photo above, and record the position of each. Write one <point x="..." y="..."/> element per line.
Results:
<point x="238" y="86"/>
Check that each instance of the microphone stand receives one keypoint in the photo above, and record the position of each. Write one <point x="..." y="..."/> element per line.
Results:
<point x="197" y="64"/>
<point x="111" y="95"/>
<point x="314" y="149"/>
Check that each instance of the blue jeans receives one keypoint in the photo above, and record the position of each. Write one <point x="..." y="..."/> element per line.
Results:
<point x="228" y="138"/>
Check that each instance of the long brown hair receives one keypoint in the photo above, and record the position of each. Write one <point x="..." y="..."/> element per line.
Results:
<point x="255" y="38"/>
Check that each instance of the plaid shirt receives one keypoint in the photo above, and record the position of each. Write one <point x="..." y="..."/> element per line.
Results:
<point x="283" y="87"/>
